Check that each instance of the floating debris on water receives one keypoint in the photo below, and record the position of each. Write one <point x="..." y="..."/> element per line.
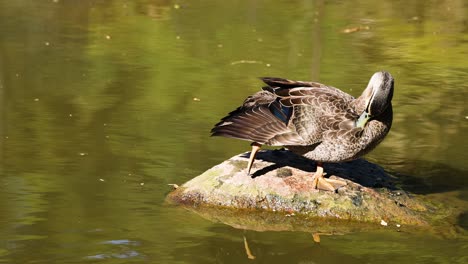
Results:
<point x="355" y="29"/>
<point x="196" y="99"/>
<point x="246" y="62"/>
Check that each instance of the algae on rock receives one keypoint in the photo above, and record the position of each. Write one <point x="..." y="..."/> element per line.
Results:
<point x="282" y="182"/>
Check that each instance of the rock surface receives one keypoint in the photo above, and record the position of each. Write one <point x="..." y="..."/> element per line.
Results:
<point x="281" y="183"/>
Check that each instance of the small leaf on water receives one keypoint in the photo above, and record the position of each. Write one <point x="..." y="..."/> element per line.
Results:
<point x="355" y="29"/>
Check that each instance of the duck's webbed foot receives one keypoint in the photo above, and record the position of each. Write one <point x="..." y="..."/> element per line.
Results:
<point x="324" y="184"/>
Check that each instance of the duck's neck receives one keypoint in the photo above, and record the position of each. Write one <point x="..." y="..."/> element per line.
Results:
<point x="385" y="117"/>
<point x="359" y="105"/>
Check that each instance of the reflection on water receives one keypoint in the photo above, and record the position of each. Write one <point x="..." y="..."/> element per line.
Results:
<point x="123" y="252"/>
<point x="431" y="177"/>
<point x="287" y="247"/>
<point x="104" y="103"/>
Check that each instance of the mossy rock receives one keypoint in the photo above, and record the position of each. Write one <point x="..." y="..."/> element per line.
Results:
<point x="281" y="185"/>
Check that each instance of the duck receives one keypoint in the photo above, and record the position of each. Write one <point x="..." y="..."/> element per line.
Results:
<point x="317" y="121"/>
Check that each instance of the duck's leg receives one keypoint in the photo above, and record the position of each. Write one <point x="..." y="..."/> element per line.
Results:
<point x="255" y="148"/>
<point x="321" y="183"/>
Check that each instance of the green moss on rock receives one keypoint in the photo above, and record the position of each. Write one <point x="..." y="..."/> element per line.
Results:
<point x="281" y="183"/>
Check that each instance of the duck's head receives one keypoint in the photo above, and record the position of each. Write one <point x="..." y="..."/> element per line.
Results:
<point x="377" y="97"/>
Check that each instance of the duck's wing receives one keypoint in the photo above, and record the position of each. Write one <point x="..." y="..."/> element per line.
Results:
<point x="262" y="119"/>
<point x="319" y="112"/>
<point x="280" y="85"/>
<point x="279" y="115"/>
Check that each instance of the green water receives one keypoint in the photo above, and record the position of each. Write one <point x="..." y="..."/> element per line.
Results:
<point x="104" y="103"/>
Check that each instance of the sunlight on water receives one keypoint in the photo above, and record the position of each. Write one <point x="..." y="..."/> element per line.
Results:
<point x="105" y="103"/>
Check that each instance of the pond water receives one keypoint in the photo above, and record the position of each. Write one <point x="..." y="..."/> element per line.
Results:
<point x="105" y="103"/>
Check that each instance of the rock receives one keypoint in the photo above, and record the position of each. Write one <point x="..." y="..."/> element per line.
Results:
<point x="281" y="186"/>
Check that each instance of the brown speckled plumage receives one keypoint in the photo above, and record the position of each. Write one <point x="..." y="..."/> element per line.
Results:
<point x="314" y="120"/>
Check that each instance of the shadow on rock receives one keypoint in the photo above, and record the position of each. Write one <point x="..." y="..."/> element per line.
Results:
<point x="359" y="171"/>
<point x="280" y="196"/>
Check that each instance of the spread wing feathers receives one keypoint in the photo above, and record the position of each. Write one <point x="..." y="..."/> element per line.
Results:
<point x="260" y="119"/>
<point x="277" y="115"/>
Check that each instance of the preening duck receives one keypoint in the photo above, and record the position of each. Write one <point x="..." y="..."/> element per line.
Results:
<point x="320" y="122"/>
